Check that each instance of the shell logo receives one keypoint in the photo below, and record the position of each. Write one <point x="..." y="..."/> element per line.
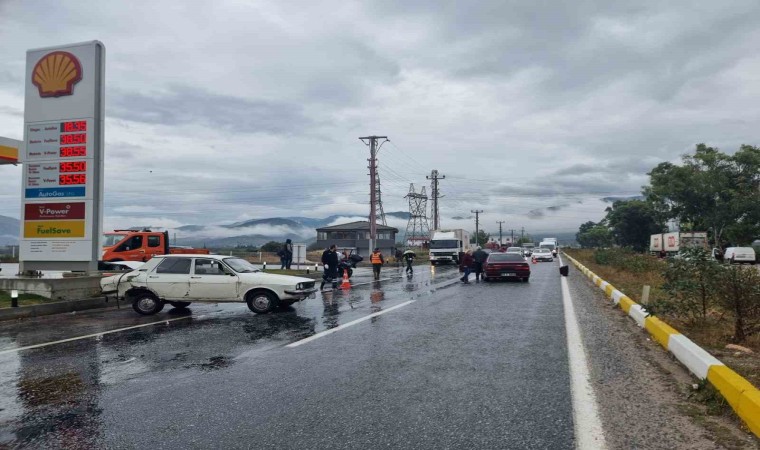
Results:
<point x="56" y="74"/>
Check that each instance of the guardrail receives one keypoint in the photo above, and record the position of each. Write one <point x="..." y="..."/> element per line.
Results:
<point x="743" y="397"/>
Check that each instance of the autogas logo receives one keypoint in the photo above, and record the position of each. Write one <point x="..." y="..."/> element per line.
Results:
<point x="54" y="229"/>
<point x="56" y="73"/>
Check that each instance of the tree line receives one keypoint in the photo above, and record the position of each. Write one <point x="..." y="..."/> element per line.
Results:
<point x="709" y="191"/>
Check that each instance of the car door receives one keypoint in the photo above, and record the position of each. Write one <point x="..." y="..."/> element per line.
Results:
<point x="154" y="245"/>
<point x="212" y="280"/>
<point x="171" y="279"/>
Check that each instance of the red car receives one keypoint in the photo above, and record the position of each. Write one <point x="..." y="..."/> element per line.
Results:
<point x="506" y="266"/>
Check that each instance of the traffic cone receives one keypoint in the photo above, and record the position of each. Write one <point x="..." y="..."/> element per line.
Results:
<point x="345" y="284"/>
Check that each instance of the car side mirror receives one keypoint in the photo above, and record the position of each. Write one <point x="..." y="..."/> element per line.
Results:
<point x="564" y="270"/>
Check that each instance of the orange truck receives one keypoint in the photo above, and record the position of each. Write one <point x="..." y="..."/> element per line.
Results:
<point x="131" y="245"/>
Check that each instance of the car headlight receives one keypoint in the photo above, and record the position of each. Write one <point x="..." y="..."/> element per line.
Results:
<point x="299" y="287"/>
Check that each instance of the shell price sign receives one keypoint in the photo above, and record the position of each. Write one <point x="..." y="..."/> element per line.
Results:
<point x="62" y="183"/>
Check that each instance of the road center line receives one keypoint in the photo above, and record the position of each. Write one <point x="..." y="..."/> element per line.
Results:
<point x="88" y="336"/>
<point x="347" y="324"/>
<point x="588" y="427"/>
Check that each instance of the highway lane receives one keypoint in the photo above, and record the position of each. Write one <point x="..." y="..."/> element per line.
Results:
<point x="481" y="364"/>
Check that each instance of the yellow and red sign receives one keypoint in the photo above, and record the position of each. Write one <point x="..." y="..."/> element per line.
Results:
<point x="9" y="151"/>
<point x="54" y="229"/>
<point x="56" y="73"/>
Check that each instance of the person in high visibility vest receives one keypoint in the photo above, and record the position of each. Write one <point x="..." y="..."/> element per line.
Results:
<point x="377" y="261"/>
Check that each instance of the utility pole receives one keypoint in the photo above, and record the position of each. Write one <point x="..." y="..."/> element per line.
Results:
<point x="477" y="225"/>
<point x="435" y="195"/>
<point x="522" y="234"/>
<point x="513" y="237"/>
<point x="500" y="222"/>
<point x="374" y="187"/>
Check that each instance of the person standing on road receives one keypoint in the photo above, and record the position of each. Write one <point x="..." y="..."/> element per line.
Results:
<point x="377" y="261"/>
<point x="398" y="256"/>
<point x="479" y="258"/>
<point x="465" y="266"/>
<point x="409" y="258"/>
<point x="330" y="262"/>
<point x="288" y="250"/>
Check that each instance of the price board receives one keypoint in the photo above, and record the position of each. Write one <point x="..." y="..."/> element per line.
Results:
<point x="62" y="183"/>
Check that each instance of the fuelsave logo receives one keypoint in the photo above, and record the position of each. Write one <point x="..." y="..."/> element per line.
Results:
<point x="54" y="229"/>
<point x="46" y="211"/>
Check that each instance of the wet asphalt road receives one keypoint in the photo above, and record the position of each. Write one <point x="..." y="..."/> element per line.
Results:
<point x="481" y="365"/>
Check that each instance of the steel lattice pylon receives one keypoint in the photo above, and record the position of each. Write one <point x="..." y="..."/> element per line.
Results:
<point x="417" y="229"/>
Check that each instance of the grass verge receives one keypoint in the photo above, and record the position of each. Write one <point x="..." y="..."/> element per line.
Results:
<point x="23" y="299"/>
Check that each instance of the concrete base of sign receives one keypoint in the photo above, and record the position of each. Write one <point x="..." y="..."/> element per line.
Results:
<point x="74" y="266"/>
<point x="55" y="288"/>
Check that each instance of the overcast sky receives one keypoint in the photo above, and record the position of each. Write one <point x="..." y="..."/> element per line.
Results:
<point x="223" y="111"/>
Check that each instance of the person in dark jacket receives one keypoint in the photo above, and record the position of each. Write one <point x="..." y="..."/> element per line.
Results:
<point x="465" y="266"/>
<point x="479" y="257"/>
<point x="330" y="262"/>
<point x="409" y="258"/>
<point x="288" y="251"/>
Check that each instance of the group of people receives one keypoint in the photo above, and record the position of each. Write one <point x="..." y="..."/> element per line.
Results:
<point x="470" y="261"/>
<point x="331" y="260"/>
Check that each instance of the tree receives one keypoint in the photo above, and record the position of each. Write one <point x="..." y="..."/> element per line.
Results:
<point x="594" y="236"/>
<point x="632" y="222"/>
<point x="711" y="191"/>
<point x="271" y="246"/>
<point x="481" y="238"/>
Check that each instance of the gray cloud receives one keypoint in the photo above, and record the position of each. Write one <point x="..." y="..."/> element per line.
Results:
<point x="183" y="105"/>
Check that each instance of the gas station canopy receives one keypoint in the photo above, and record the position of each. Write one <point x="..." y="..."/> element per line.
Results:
<point x="9" y="151"/>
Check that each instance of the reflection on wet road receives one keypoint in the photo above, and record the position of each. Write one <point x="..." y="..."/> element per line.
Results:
<point x="51" y="394"/>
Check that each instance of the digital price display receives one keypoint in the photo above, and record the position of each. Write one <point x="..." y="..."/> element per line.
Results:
<point x="70" y="127"/>
<point x="70" y="179"/>
<point x="71" y="152"/>
<point x="72" y="166"/>
<point x="73" y="139"/>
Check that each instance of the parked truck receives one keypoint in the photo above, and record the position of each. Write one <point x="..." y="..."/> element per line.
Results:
<point x="670" y="244"/>
<point x="131" y="245"/>
<point x="446" y="245"/>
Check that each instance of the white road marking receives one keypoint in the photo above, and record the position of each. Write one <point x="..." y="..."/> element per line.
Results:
<point x="347" y="324"/>
<point x="588" y="427"/>
<point x="95" y="335"/>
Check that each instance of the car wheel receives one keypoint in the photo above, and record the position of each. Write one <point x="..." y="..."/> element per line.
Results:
<point x="261" y="302"/>
<point x="179" y="305"/>
<point x="146" y="303"/>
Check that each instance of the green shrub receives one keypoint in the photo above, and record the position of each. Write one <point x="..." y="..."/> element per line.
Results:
<point x="691" y="285"/>
<point x="738" y="294"/>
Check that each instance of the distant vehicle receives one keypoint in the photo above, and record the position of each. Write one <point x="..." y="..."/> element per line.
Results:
<point x="130" y="245"/>
<point x="740" y="255"/>
<point x="543" y="254"/>
<point x="506" y="266"/>
<point x="446" y="245"/>
<point x="515" y="250"/>
<point x="181" y="279"/>
<point x="671" y="244"/>
<point x="550" y="244"/>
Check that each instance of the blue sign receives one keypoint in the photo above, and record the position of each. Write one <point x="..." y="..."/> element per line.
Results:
<point x="55" y="192"/>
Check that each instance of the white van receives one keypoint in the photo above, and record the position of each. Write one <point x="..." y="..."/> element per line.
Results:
<point x="739" y="255"/>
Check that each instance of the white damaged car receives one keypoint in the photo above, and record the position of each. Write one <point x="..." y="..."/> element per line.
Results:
<point x="182" y="279"/>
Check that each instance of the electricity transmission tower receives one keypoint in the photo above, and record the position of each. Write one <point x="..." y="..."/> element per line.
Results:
<point x="417" y="229"/>
<point x="375" y="201"/>
<point x="435" y="195"/>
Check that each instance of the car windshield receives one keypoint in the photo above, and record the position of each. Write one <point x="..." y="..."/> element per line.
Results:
<point x="514" y="250"/>
<point x="112" y="239"/>
<point x="541" y="250"/>
<point x="504" y="257"/>
<point x="444" y="243"/>
<point x="240" y="265"/>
